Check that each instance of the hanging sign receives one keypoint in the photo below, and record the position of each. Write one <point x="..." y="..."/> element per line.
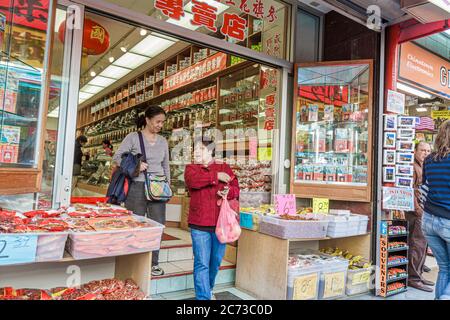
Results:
<point x="443" y="114"/>
<point x="398" y="199"/>
<point x="246" y="220"/>
<point x="321" y="205"/>
<point x="202" y="69"/>
<point x="305" y="287"/>
<point x="285" y="204"/>
<point x="395" y="102"/>
<point x="17" y="249"/>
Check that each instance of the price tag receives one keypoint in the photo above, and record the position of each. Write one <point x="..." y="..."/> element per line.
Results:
<point x="17" y="249"/>
<point x="305" y="287"/>
<point x="321" y="205"/>
<point x="265" y="154"/>
<point x="360" y="278"/>
<point x="285" y="204"/>
<point x="334" y="284"/>
<point x="246" y="220"/>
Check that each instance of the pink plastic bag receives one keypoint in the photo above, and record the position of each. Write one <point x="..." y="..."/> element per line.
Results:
<point x="227" y="228"/>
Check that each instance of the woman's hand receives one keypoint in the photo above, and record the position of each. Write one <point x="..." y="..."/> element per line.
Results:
<point x="144" y="166"/>
<point x="224" y="177"/>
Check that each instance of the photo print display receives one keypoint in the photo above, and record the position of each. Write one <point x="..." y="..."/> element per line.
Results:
<point x="389" y="139"/>
<point x="405" y="158"/>
<point x="404" y="182"/>
<point x="405" y="146"/>
<point x="388" y="174"/>
<point x="390" y="122"/>
<point x="406" y="122"/>
<point x="389" y="157"/>
<point x="404" y="170"/>
<point x="407" y="134"/>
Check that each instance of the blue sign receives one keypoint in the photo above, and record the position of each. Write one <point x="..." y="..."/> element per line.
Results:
<point x="384" y="228"/>
<point x="246" y="220"/>
<point x="16" y="249"/>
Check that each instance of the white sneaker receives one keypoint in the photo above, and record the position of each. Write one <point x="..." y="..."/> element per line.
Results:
<point x="157" y="271"/>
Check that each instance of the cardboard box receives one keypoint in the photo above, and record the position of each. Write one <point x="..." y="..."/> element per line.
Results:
<point x="230" y="254"/>
<point x="9" y="153"/>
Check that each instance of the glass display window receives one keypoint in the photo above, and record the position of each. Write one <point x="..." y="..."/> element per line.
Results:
<point x="332" y="132"/>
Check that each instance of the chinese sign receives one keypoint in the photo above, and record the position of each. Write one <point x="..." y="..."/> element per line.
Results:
<point x="269" y="123"/>
<point x="285" y="204"/>
<point x="398" y="199"/>
<point x="27" y="13"/>
<point x="207" y="15"/>
<point x="17" y="249"/>
<point x="198" y="71"/>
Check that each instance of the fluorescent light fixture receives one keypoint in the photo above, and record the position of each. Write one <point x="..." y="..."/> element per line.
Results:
<point x="123" y="49"/>
<point x="115" y="72"/>
<point x="413" y="91"/>
<point x="143" y="32"/>
<point x="91" y="89"/>
<point x="151" y="46"/>
<point x="220" y="6"/>
<point x="131" y="60"/>
<point x="54" y="113"/>
<point x="444" y="4"/>
<point x="421" y="109"/>
<point x="93" y="74"/>
<point x="184" y="22"/>
<point x="85" y="96"/>
<point x="101" y="81"/>
<point x="111" y="59"/>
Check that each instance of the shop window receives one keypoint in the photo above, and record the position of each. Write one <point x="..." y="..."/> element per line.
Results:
<point x="308" y="32"/>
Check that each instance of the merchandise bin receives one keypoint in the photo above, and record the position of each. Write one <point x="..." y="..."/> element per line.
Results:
<point x="333" y="279"/>
<point x="363" y="222"/>
<point x="250" y="220"/>
<point x="86" y="245"/>
<point x="291" y="229"/>
<point x="341" y="226"/>
<point x="50" y="245"/>
<point x="358" y="281"/>
<point x="296" y="272"/>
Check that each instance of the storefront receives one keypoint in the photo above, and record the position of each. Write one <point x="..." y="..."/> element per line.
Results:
<point x="416" y="103"/>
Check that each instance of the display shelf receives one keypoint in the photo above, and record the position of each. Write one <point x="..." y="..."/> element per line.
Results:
<point x="398" y="249"/>
<point x="397" y="279"/>
<point x="391" y="265"/>
<point x="397" y="235"/>
<point x="393" y="293"/>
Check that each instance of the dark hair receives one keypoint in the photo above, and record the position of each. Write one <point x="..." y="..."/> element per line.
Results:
<point x="82" y="139"/>
<point x="150" y="112"/>
<point x="108" y="143"/>
<point x="208" y="143"/>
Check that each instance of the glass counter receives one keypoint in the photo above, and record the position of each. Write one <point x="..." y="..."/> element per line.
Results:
<point x="332" y="131"/>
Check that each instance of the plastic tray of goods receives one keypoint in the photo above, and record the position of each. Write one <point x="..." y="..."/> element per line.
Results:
<point x="341" y="226"/>
<point x="303" y="279"/>
<point x="33" y="247"/>
<point x="358" y="280"/>
<point x="333" y="279"/>
<point x="114" y="236"/>
<point x="291" y="229"/>
<point x="363" y="222"/>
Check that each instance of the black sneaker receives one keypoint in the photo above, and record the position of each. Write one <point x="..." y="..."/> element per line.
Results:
<point x="157" y="271"/>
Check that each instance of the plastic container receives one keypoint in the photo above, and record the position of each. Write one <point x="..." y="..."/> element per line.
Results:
<point x="308" y="277"/>
<point x="363" y="222"/>
<point x="358" y="281"/>
<point x="291" y="229"/>
<point x="333" y="279"/>
<point x="86" y="245"/>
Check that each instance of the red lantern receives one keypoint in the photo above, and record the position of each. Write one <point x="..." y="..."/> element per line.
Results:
<point x="95" y="37"/>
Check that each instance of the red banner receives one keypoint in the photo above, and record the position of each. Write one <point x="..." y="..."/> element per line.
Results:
<point x="197" y="71"/>
<point x="28" y="13"/>
<point x="325" y="94"/>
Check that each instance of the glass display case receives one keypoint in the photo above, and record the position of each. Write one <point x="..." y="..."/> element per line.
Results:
<point x="333" y="131"/>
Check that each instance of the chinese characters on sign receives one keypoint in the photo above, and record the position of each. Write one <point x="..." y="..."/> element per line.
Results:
<point x="233" y="25"/>
<point x="285" y="204"/>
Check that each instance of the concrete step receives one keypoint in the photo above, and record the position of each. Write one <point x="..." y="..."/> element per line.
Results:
<point x="179" y="276"/>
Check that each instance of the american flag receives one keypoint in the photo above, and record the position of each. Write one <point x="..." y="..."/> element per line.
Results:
<point x="426" y="123"/>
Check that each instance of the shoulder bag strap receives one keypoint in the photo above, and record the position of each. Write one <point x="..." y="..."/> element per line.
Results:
<point x="141" y="142"/>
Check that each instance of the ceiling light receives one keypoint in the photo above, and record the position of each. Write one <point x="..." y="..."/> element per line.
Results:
<point x="123" y="49"/>
<point x="151" y="46"/>
<point x="93" y="74"/>
<point x="91" y="89"/>
<point x="413" y="91"/>
<point x="131" y="60"/>
<point x="111" y="59"/>
<point x="421" y="109"/>
<point x="143" y="32"/>
<point x="85" y="95"/>
<point x="101" y="81"/>
<point x="115" y="72"/>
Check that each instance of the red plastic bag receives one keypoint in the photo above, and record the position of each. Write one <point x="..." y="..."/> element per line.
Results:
<point x="227" y="228"/>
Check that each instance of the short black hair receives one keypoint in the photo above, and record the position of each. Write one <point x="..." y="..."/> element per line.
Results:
<point x="82" y="139"/>
<point x="151" y="111"/>
<point x="208" y="143"/>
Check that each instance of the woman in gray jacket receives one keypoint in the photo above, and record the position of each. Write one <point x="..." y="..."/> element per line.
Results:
<point x="157" y="162"/>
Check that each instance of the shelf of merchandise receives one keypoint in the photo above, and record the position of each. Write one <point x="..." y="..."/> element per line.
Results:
<point x="351" y="193"/>
<point x="54" y="273"/>
<point x="263" y="260"/>
<point x="397" y="235"/>
<point x="398" y="249"/>
<point x="393" y="293"/>
<point x="397" y="279"/>
<point x="397" y="264"/>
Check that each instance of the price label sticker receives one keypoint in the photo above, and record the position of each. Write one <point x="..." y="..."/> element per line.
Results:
<point x="17" y="249"/>
<point x="246" y="220"/>
<point x="265" y="154"/>
<point x="321" y="205"/>
<point x="360" y="278"/>
<point x="285" y="204"/>
<point x="305" y="287"/>
<point x="334" y="285"/>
